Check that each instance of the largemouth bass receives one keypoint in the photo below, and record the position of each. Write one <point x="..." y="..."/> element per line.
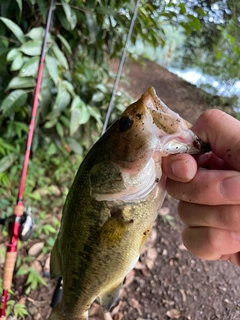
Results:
<point x="113" y="203"/>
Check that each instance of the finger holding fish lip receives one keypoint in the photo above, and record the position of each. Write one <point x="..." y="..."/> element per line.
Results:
<point x="179" y="167"/>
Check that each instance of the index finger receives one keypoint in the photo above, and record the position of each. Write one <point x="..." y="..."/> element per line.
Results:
<point x="222" y="131"/>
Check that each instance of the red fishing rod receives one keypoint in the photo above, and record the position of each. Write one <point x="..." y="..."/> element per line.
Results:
<point x="18" y="210"/>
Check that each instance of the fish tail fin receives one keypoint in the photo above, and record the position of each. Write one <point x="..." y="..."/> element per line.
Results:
<point x="56" y="314"/>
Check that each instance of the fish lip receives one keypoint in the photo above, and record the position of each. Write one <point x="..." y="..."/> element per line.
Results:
<point x="196" y="146"/>
<point x="201" y="146"/>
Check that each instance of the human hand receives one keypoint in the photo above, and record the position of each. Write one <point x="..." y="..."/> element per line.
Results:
<point x="208" y="188"/>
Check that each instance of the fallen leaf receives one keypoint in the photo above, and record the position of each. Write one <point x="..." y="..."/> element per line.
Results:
<point x="168" y="302"/>
<point x="135" y="304"/>
<point x="122" y="293"/>
<point x="227" y="301"/>
<point x="146" y="272"/>
<point x="149" y="263"/>
<point x="116" y="309"/>
<point x="173" y="314"/>
<point x="118" y="316"/>
<point x="55" y="190"/>
<point x="37" y="266"/>
<point x="152" y="253"/>
<point x="95" y="312"/>
<point x="37" y="316"/>
<point x="129" y="278"/>
<point x="164" y="253"/>
<point x="47" y="264"/>
<point x="164" y="211"/>
<point x="184" y="297"/>
<point x="22" y="300"/>
<point x="182" y="247"/>
<point x="36" y="248"/>
<point x="139" y="266"/>
<point x="107" y="316"/>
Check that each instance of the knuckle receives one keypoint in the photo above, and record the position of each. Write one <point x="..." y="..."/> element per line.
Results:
<point x="213" y="240"/>
<point x="229" y="217"/>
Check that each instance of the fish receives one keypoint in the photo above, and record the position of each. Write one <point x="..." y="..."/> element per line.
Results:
<point x="113" y="202"/>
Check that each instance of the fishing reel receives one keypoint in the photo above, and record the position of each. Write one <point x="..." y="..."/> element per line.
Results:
<point x="27" y="224"/>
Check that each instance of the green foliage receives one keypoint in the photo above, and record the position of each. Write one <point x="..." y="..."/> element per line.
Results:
<point x="215" y="48"/>
<point x="18" y="310"/>
<point x="34" y="279"/>
<point x="169" y="219"/>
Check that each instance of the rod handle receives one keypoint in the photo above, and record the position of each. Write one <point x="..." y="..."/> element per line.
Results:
<point x="8" y="269"/>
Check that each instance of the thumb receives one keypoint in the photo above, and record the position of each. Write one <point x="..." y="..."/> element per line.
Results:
<point x="222" y="132"/>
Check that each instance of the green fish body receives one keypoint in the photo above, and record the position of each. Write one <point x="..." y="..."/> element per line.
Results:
<point x="113" y="203"/>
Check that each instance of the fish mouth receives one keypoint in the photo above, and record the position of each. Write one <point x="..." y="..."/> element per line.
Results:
<point x="173" y="131"/>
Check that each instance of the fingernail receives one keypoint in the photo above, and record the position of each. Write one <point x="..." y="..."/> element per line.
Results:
<point x="182" y="169"/>
<point x="230" y="188"/>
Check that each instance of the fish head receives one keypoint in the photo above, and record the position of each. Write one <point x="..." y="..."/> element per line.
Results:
<point x="148" y="128"/>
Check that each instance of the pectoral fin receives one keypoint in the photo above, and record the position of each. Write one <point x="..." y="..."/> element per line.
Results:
<point x="108" y="299"/>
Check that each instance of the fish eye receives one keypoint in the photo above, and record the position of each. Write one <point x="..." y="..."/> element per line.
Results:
<point x="125" y="123"/>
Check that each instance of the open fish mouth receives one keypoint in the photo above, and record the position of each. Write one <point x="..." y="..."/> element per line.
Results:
<point x="174" y="131"/>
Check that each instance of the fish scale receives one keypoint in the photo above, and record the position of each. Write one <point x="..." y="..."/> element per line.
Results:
<point x="113" y="203"/>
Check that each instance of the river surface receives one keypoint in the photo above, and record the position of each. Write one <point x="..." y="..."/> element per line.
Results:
<point x="210" y="83"/>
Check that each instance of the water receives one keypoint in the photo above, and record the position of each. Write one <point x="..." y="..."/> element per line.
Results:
<point x="210" y="84"/>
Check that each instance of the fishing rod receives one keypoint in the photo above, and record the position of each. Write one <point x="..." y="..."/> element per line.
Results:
<point x="22" y="223"/>
<point x="119" y="72"/>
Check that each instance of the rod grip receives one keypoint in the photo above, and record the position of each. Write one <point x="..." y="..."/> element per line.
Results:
<point x="8" y="269"/>
<point x="18" y="210"/>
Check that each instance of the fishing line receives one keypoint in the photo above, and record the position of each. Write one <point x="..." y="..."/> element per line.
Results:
<point x="18" y="210"/>
<point x="119" y="72"/>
